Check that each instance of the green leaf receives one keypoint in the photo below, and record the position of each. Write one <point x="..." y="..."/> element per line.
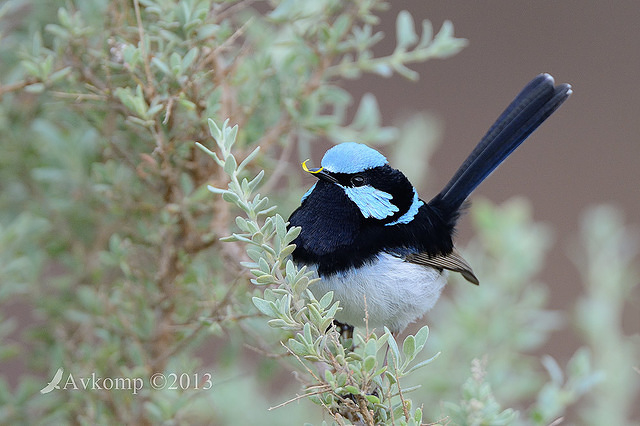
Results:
<point x="352" y="389"/>
<point x="253" y="183"/>
<point x="64" y="18"/>
<point x="422" y="364"/>
<point x="230" y="164"/>
<point x="554" y="370"/>
<point x="241" y="223"/>
<point x="307" y="334"/>
<point x="264" y="306"/>
<point x="230" y="134"/>
<point x="370" y="363"/>
<point x="285" y="252"/>
<point x="215" y="190"/>
<point x="417" y="416"/>
<point x="409" y="347"/>
<point x="161" y="65"/>
<point x="248" y="159"/>
<point x="35" y="88"/>
<point x="290" y="268"/>
<point x="264" y="280"/>
<point x="328" y="376"/>
<point x="230" y="197"/>
<point x="383" y="70"/>
<point x="421" y="338"/>
<point x="391" y="341"/>
<point x="188" y="59"/>
<point x="325" y="301"/>
<point x="175" y="63"/>
<point x="372" y="399"/>
<point x="427" y="34"/>
<point x="368" y="113"/>
<point x="297" y="347"/>
<point x="215" y="131"/>
<point x="390" y="377"/>
<point x="31" y="68"/>
<point x="405" y="31"/>
<point x="406" y="72"/>
<point x="292" y="234"/>
<point x="60" y="74"/>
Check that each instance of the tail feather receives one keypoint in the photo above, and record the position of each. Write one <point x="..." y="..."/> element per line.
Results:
<point x="535" y="103"/>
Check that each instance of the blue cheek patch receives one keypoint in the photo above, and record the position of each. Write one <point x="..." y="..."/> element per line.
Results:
<point x="371" y="201"/>
<point x="306" y="194"/>
<point x="351" y="157"/>
<point x="411" y="213"/>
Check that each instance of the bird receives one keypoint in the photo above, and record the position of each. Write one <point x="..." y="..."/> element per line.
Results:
<point x="54" y="383"/>
<point x="383" y="251"/>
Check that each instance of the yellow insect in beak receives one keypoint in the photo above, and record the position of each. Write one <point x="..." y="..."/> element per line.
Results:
<point x="319" y="173"/>
<point x="307" y="169"/>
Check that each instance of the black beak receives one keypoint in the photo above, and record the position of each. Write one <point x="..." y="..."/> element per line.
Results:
<point x="320" y="173"/>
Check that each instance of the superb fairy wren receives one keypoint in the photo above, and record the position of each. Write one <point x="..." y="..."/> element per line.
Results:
<point x="383" y="251"/>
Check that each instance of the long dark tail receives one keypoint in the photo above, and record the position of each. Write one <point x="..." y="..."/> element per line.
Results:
<point x="535" y="103"/>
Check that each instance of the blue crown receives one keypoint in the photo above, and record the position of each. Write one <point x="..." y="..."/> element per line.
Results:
<point x="352" y="157"/>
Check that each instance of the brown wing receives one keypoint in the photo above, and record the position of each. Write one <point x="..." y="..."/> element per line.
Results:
<point x="452" y="262"/>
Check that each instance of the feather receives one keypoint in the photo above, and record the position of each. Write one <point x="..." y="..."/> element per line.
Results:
<point x="351" y="157"/>
<point x="535" y="103"/>
<point x="452" y="262"/>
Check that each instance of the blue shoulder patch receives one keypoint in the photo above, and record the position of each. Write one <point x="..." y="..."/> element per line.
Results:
<point x="352" y="157"/>
<point x="411" y="213"/>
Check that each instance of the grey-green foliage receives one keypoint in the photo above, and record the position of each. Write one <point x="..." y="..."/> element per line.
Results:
<point x="607" y="257"/>
<point x="111" y="239"/>
<point x="478" y="405"/>
<point x="504" y="323"/>
<point x="506" y="315"/>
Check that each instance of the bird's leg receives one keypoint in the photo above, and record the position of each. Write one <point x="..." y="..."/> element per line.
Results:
<point x="345" y="330"/>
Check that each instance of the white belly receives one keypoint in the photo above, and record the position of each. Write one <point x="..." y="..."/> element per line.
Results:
<point x="394" y="292"/>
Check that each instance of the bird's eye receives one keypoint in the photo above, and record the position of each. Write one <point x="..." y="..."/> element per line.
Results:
<point x="357" y="180"/>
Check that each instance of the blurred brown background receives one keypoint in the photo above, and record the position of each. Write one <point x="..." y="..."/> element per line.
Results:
<point x="587" y="153"/>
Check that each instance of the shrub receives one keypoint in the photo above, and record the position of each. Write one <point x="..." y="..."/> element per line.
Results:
<point x="131" y="269"/>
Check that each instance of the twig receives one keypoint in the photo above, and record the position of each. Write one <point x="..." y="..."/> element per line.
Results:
<point x="404" y="405"/>
<point x="79" y="97"/>
<point x="201" y="326"/>
<point x="323" y="389"/>
<point x="362" y="405"/>
<point x="18" y="85"/>
<point x="265" y="353"/>
<point x="231" y="10"/>
<point x="169" y="107"/>
<point x="143" y="49"/>
<point x="228" y="42"/>
<point x="303" y="364"/>
<point x="393" y="420"/>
